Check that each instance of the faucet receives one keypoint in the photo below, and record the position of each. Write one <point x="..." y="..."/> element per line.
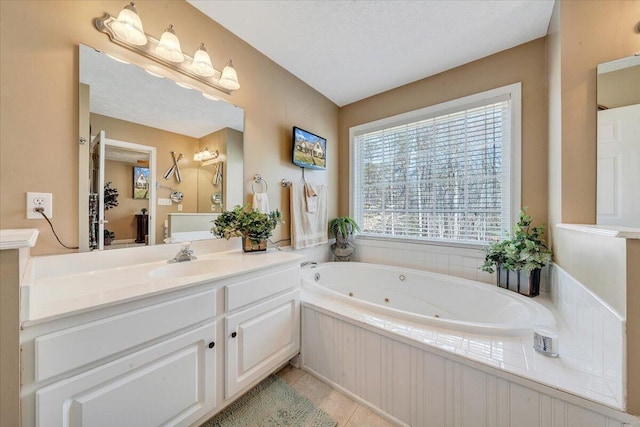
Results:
<point x="185" y="254"/>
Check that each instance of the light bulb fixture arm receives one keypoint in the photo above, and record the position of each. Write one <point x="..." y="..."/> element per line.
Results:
<point x="105" y="25"/>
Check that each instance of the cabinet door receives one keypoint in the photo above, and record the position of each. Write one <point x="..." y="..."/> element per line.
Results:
<point x="168" y="384"/>
<point x="261" y="338"/>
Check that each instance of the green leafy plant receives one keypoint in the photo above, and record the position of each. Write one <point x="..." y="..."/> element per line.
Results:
<point x="110" y="235"/>
<point x="344" y="226"/>
<point x="525" y="251"/>
<point x="243" y="221"/>
<point x="110" y="196"/>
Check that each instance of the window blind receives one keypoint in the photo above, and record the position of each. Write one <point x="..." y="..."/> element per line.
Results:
<point x="438" y="178"/>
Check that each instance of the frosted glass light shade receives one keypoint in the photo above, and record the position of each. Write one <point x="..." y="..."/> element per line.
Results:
<point x="169" y="46"/>
<point x="229" y="77"/>
<point x="201" y="64"/>
<point x="128" y="26"/>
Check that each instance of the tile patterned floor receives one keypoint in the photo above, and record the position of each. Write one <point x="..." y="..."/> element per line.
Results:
<point x="338" y="406"/>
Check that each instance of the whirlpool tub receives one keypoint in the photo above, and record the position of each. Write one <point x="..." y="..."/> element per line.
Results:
<point x="429" y="298"/>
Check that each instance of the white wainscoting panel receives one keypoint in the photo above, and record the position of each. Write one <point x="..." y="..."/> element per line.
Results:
<point x="419" y="388"/>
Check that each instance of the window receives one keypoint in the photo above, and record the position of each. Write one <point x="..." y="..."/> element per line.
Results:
<point x="450" y="172"/>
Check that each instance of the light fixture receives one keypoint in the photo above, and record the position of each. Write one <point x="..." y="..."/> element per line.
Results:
<point x="154" y="74"/>
<point x="169" y="46"/>
<point x="201" y="64"/>
<point x="210" y="97"/>
<point x="206" y="154"/>
<point x="115" y="58"/>
<point x="229" y="78"/>
<point x="184" y="85"/>
<point x="166" y="51"/>
<point x="129" y="26"/>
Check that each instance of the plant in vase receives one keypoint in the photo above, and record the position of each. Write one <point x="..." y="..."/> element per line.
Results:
<point x="253" y="226"/>
<point x="343" y="228"/>
<point x="518" y="260"/>
<point x="108" y="237"/>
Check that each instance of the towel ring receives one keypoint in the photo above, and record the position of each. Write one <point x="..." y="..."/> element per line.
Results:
<point x="257" y="179"/>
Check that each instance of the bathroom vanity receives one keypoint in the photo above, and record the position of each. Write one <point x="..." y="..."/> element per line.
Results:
<point x="152" y="343"/>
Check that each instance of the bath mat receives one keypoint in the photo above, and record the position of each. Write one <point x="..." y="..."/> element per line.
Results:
<point x="271" y="403"/>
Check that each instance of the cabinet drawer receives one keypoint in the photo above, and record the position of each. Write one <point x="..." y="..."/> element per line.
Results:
<point x="68" y="349"/>
<point x="249" y="291"/>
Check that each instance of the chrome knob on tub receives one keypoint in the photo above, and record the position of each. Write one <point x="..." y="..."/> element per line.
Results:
<point x="234" y="334"/>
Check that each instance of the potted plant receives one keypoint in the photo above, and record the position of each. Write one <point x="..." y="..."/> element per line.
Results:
<point x="253" y="226"/>
<point x="108" y="237"/>
<point x="518" y="260"/>
<point x="343" y="228"/>
<point x="110" y="196"/>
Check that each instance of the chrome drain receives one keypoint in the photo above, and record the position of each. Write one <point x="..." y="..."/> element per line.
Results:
<point x="316" y="277"/>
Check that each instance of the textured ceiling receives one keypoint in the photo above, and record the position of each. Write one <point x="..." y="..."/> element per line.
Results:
<point x="349" y="50"/>
<point x="126" y="92"/>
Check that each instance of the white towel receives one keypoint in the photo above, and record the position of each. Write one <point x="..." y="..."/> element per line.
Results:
<point x="308" y="229"/>
<point x="310" y="197"/>
<point x="261" y="202"/>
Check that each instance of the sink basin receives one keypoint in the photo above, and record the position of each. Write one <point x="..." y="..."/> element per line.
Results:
<point x="190" y="268"/>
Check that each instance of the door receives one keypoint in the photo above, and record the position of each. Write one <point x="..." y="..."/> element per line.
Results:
<point x="619" y="166"/>
<point x="261" y="338"/>
<point x="126" y="155"/>
<point x="169" y="384"/>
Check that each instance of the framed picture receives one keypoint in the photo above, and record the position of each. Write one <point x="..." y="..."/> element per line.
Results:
<point x="140" y="183"/>
<point x="309" y="150"/>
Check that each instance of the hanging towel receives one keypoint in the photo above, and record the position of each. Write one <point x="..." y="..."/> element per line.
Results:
<point x="261" y="202"/>
<point x="310" y="197"/>
<point x="308" y="229"/>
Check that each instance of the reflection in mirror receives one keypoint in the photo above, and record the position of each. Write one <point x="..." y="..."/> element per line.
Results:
<point x="618" y="175"/>
<point x="132" y="105"/>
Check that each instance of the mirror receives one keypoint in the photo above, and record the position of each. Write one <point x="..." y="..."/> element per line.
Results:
<point x="132" y="105"/>
<point x="618" y="173"/>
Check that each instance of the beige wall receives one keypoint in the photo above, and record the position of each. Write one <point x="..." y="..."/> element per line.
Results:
<point x="39" y="105"/>
<point x="9" y="338"/>
<point x="165" y="142"/>
<point x="121" y="218"/>
<point x="525" y="63"/>
<point x="591" y="32"/>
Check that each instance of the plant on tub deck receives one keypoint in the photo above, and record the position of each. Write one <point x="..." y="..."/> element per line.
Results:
<point x="253" y="226"/>
<point x="519" y="258"/>
<point x="343" y="228"/>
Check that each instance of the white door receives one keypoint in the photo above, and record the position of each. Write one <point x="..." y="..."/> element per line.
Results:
<point x="619" y="166"/>
<point x="169" y="384"/>
<point x="116" y="149"/>
<point x="261" y="338"/>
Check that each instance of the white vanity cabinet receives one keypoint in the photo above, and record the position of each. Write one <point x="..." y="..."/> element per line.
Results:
<point x="261" y="338"/>
<point x="167" y="359"/>
<point x="262" y="326"/>
<point x="146" y="363"/>
<point x="170" y="384"/>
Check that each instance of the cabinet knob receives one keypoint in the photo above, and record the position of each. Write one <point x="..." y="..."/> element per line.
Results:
<point x="212" y="344"/>
<point x="234" y="334"/>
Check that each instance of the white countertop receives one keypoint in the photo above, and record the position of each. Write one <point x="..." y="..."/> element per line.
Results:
<point x="604" y="230"/>
<point x="58" y="295"/>
<point x="18" y="238"/>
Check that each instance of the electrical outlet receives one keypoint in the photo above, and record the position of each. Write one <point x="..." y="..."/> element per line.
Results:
<point x="39" y="200"/>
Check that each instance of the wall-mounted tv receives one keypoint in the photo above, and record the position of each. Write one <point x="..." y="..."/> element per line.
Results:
<point x="309" y="150"/>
